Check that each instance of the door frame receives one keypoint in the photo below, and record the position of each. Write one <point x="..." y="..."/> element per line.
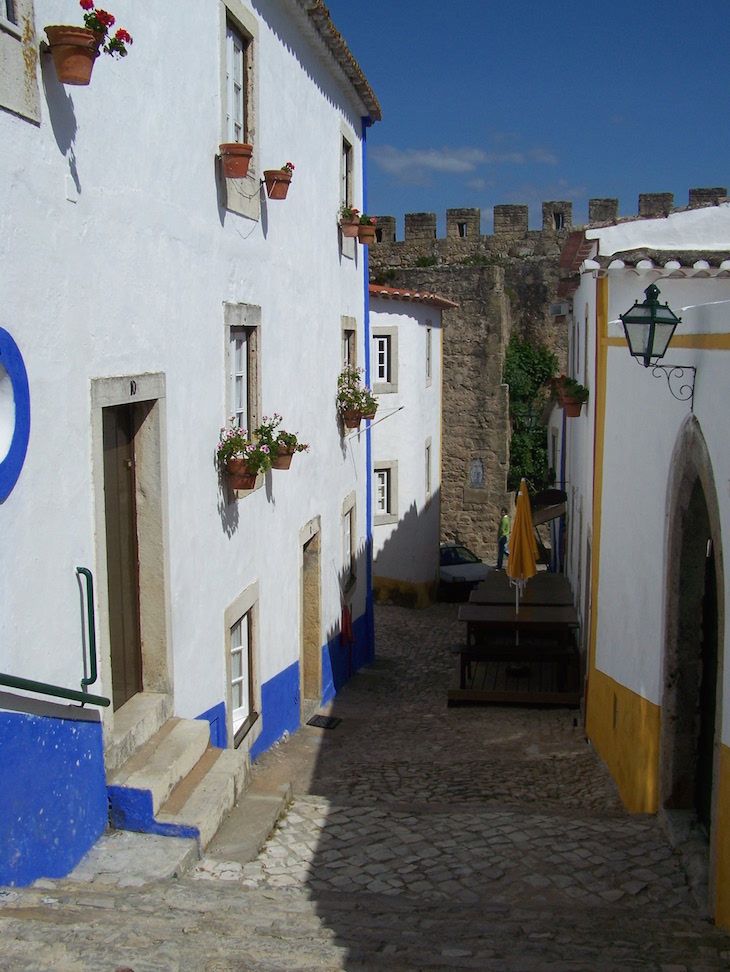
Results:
<point x="310" y="625"/>
<point x="690" y="464"/>
<point x="153" y="530"/>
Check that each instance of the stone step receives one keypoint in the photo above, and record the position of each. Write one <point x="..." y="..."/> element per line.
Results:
<point x="205" y="799"/>
<point x="177" y="785"/>
<point x="134" y="725"/>
<point x="165" y="760"/>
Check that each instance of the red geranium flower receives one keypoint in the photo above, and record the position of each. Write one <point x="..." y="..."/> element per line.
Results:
<point x="100" y="21"/>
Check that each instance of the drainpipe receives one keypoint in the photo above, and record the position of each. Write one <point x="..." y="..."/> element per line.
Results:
<point x="369" y="615"/>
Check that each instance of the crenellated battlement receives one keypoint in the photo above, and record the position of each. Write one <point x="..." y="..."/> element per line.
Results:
<point x="511" y="222"/>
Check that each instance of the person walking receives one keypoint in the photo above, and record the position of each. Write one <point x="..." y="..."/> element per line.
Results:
<point x="502" y="537"/>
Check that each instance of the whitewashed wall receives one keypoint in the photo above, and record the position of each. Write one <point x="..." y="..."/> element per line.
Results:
<point x="127" y="275"/>
<point x="642" y="424"/>
<point x="407" y="550"/>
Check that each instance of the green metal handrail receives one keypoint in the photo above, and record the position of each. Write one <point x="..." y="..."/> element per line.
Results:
<point x="45" y="688"/>
<point x="91" y="626"/>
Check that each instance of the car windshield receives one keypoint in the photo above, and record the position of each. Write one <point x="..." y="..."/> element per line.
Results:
<point x="457" y="555"/>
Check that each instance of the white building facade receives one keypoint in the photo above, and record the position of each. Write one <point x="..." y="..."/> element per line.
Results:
<point x="406" y="376"/>
<point x="145" y="299"/>
<point x="647" y="471"/>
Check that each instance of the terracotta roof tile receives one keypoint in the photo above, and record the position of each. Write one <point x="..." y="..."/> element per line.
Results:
<point x="320" y="18"/>
<point x="419" y="296"/>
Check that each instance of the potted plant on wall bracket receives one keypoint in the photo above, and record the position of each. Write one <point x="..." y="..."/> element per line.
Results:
<point x="74" y="49"/>
<point x="349" y="221"/>
<point x="366" y="229"/>
<point x="242" y="456"/>
<point x="570" y="394"/>
<point x="277" y="180"/>
<point x="354" y="403"/>
<point x="235" y="158"/>
<point x="369" y="405"/>
<point x="282" y="444"/>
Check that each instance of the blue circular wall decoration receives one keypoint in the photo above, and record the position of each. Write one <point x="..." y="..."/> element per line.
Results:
<point x="12" y="365"/>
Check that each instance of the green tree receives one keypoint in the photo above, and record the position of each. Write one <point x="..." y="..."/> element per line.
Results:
<point x="527" y="370"/>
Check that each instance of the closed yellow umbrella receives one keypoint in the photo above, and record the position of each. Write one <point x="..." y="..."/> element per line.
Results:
<point x="522" y="563"/>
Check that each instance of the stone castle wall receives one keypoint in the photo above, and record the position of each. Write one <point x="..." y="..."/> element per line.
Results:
<point x="504" y="284"/>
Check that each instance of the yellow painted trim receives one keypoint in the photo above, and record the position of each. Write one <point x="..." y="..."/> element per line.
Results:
<point x="404" y="593"/>
<point x="699" y="342"/>
<point x="623" y="726"/>
<point x="599" y="434"/>
<point x="625" y="729"/>
<point x="722" y="872"/>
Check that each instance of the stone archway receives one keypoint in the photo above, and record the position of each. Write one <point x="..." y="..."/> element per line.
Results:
<point x="693" y="662"/>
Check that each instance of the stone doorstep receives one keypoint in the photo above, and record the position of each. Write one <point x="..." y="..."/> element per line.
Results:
<point x="166" y="760"/>
<point x="202" y="804"/>
<point x="175" y="783"/>
<point x="134" y="725"/>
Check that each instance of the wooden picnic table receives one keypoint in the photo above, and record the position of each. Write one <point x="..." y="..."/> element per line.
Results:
<point x="535" y="633"/>
<point x="544" y="588"/>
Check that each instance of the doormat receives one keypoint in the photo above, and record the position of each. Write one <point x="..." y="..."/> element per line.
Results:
<point x="324" y="722"/>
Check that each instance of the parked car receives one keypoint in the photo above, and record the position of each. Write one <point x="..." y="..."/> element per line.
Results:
<point x="460" y="570"/>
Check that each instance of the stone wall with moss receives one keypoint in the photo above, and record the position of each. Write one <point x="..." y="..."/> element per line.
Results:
<point x="504" y="283"/>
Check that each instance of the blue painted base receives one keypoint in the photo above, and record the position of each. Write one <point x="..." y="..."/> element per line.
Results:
<point x="218" y="725"/>
<point x="132" y="810"/>
<point x="340" y="662"/>
<point x="280" y="699"/>
<point x="280" y="706"/>
<point x="53" y="804"/>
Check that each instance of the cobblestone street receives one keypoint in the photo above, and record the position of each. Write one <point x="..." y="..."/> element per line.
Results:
<point x="419" y="837"/>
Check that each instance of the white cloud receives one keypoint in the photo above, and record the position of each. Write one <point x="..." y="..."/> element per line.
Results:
<point x="418" y="166"/>
<point x="403" y="163"/>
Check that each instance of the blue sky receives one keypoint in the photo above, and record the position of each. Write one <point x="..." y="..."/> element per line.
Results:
<point x="487" y="103"/>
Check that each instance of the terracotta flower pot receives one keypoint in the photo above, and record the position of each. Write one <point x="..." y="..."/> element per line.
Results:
<point x="572" y="406"/>
<point x="369" y="416"/>
<point x="283" y="460"/>
<point x="74" y="50"/>
<point x="350" y="227"/>
<point x="366" y="233"/>
<point x="239" y="475"/>
<point x="277" y="182"/>
<point x="352" y="418"/>
<point x="235" y="157"/>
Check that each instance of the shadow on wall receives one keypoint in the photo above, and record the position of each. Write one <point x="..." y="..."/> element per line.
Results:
<point x="350" y="644"/>
<point x="405" y="568"/>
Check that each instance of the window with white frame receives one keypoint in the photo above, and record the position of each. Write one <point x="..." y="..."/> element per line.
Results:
<point x="349" y="552"/>
<point x="243" y="395"/>
<point x="382" y="490"/>
<point x="241" y="683"/>
<point x="349" y="342"/>
<point x="346" y="191"/>
<point x="429" y="347"/>
<point x="235" y="83"/>
<point x="19" y="91"/>
<point x="385" y="485"/>
<point x="244" y="693"/>
<point x="385" y="360"/>
<point x="239" y="99"/>
<point x="382" y="358"/>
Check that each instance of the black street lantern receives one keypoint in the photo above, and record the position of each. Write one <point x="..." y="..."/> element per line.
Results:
<point x="531" y="419"/>
<point x="649" y="327"/>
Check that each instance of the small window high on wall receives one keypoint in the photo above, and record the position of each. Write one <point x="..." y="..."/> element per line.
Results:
<point x="236" y="95"/>
<point x="243" y="394"/>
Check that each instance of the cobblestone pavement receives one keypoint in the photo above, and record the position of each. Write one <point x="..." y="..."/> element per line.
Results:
<point x="419" y="837"/>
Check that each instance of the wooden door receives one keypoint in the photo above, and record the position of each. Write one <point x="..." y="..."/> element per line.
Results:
<point x="707" y="695"/>
<point x="122" y="555"/>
